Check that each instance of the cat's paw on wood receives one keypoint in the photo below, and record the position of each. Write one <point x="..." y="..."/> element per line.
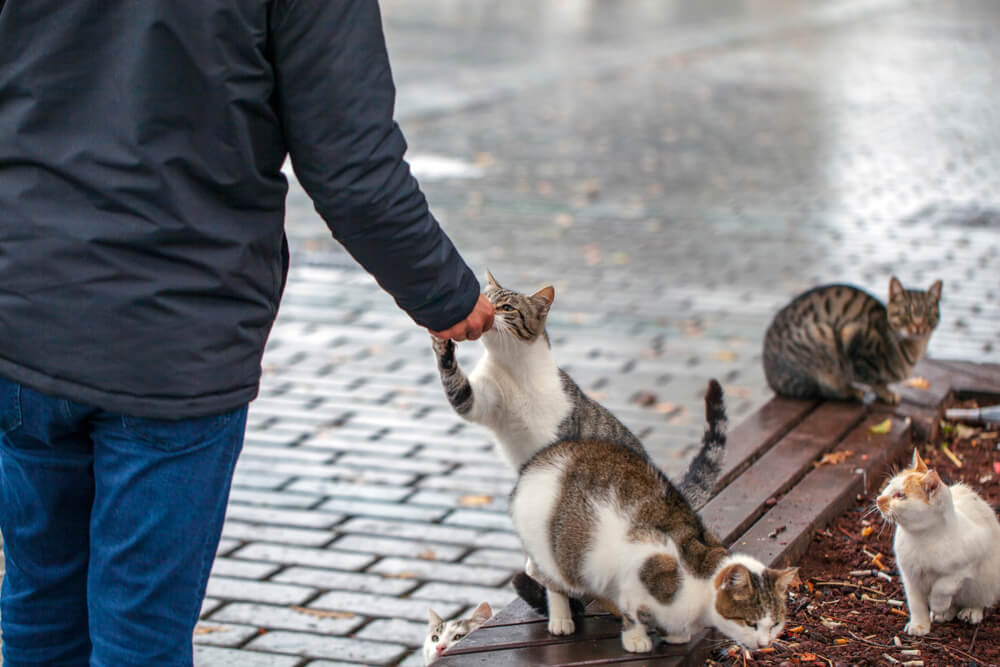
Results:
<point x="678" y="638"/>
<point x="918" y="628"/>
<point x="971" y="615"/>
<point x="561" y="626"/>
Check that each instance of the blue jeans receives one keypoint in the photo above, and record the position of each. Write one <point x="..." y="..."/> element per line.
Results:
<point x="110" y="526"/>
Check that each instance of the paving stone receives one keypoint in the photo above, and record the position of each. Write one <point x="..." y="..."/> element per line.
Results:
<point x="436" y="570"/>
<point x="246" y="569"/>
<point x="451" y="500"/>
<point x="387" y="510"/>
<point x="282" y="517"/>
<point x="274" y="498"/>
<point x="502" y="558"/>
<point x="258" y="591"/>
<point x="286" y="618"/>
<point x="214" y="656"/>
<point x="326" y="471"/>
<point x="477" y="519"/>
<point x="350" y="489"/>
<point x="258" y="480"/>
<point x="345" y="581"/>
<point x="410" y="530"/>
<point x="208" y="605"/>
<point x="237" y="530"/>
<point x="411" y="633"/>
<point x="328" y="558"/>
<point x="387" y="546"/>
<point x="300" y="643"/>
<point x="383" y="606"/>
<point x="222" y="634"/>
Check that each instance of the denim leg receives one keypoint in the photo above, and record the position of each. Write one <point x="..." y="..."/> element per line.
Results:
<point x="161" y="493"/>
<point x="46" y="490"/>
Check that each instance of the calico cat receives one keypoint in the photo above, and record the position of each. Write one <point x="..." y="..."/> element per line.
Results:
<point x="830" y="339"/>
<point x="947" y="546"/>
<point x="442" y="635"/>
<point x="519" y="393"/>
<point x="598" y="519"/>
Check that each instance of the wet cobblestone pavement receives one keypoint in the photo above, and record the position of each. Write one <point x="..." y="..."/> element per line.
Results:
<point x="677" y="178"/>
<point x="678" y="171"/>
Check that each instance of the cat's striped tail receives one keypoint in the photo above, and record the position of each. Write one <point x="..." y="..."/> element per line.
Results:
<point x="699" y="482"/>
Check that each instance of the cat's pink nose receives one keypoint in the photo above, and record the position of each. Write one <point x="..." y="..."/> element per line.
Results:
<point x="440" y="650"/>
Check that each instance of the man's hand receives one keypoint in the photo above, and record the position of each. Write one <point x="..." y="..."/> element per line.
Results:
<point x="473" y="326"/>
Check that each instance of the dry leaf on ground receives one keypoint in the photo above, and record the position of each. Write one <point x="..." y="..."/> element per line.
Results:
<point x="475" y="501"/>
<point x="917" y="382"/>
<point x="882" y="427"/>
<point x="323" y="613"/>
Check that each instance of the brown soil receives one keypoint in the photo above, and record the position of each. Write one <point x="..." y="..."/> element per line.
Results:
<point x="840" y="616"/>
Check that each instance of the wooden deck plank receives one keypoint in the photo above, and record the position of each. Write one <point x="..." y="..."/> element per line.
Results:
<point x="736" y="507"/>
<point x="757" y="433"/>
<point x="825" y="492"/>
<point x="536" y="632"/>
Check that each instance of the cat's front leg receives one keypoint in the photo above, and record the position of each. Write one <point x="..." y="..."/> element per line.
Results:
<point x="635" y="637"/>
<point x="916" y="600"/>
<point x="560" y="616"/>
<point x="942" y="593"/>
<point x="456" y="385"/>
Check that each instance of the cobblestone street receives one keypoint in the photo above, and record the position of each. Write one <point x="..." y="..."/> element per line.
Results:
<point x="677" y="171"/>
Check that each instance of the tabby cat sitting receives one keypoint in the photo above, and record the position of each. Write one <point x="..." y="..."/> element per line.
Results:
<point x="832" y="339"/>
<point x="598" y="519"/>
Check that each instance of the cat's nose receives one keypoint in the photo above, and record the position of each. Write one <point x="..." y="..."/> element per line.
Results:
<point x="440" y="650"/>
<point x="881" y="503"/>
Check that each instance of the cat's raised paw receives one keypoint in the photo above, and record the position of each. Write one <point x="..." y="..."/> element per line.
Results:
<point x="971" y="615"/>
<point x="637" y="641"/>
<point x="561" y="626"/>
<point x="442" y="346"/>
<point x="917" y="628"/>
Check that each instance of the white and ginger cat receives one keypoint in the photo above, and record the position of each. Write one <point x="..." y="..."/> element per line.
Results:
<point x="442" y="635"/>
<point x="598" y="519"/>
<point x="519" y="393"/>
<point x="947" y="546"/>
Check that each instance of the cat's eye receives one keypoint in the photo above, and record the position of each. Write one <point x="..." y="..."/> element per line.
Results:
<point x="505" y="306"/>
<point x="434" y="638"/>
<point x="899" y="495"/>
<point x="458" y="636"/>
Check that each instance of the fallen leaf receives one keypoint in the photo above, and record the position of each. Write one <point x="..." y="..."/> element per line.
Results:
<point x="877" y="562"/>
<point x="882" y="427"/>
<point x="644" y="398"/>
<point x="564" y="220"/>
<point x="401" y="575"/>
<point x="592" y="254"/>
<point x="725" y="355"/>
<point x="475" y="501"/>
<point x="833" y="458"/>
<point x="867" y="530"/>
<point x="918" y="382"/>
<point x="830" y="624"/>
<point x="777" y="531"/>
<point x="666" y="408"/>
<point x="839" y="641"/>
<point x="996" y="467"/>
<point x="208" y="629"/>
<point x="427" y="554"/>
<point x="322" y="613"/>
<point x="796" y="630"/>
<point x="807" y="657"/>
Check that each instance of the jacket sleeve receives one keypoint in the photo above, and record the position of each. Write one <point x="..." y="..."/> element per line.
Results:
<point x="335" y="97"/>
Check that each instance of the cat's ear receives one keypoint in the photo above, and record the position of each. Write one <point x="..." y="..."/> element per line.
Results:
<point x="895" y="288"/>
<point x="491" y="280"/>
<point x="935" y="290"/>
<point x="931" y="483"/>
<point x="545" y="297"/>
<point x="918" y="463"/>
<point x="785" y="579"/>
<point x="735" y="580"/>
<point x="481" y="614"/>
<point x="433" y="619"/>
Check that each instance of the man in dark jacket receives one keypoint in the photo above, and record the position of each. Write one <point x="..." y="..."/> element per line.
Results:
<point x="142" y="258"/>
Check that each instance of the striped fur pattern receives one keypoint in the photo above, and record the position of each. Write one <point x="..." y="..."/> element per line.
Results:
<point x="520" y="394"/>
<point x="834" y="340"/>
<point x="598" y="519"/>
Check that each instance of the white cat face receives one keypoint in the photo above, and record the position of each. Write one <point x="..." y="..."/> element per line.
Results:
<point x="913" y="497"/>
<point x="442" y="635"/>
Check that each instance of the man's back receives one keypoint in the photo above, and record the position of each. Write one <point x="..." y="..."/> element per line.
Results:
<point x="142" y="253"/>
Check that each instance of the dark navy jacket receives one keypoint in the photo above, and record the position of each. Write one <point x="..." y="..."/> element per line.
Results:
<point x="142" y="251"/>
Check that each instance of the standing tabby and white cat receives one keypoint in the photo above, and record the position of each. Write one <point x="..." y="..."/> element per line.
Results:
<point x="947" y="546"/>
<point x="442" y="635"/>
<point x="520" y="394"/>
<point x="832" y="338"/>
<point x="598" y="519"/>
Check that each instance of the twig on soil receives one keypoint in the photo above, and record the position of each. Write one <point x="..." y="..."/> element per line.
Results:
<point x="848" y="584"/>
<point x="973" y="642"/>
<point x="870" y="643"/>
